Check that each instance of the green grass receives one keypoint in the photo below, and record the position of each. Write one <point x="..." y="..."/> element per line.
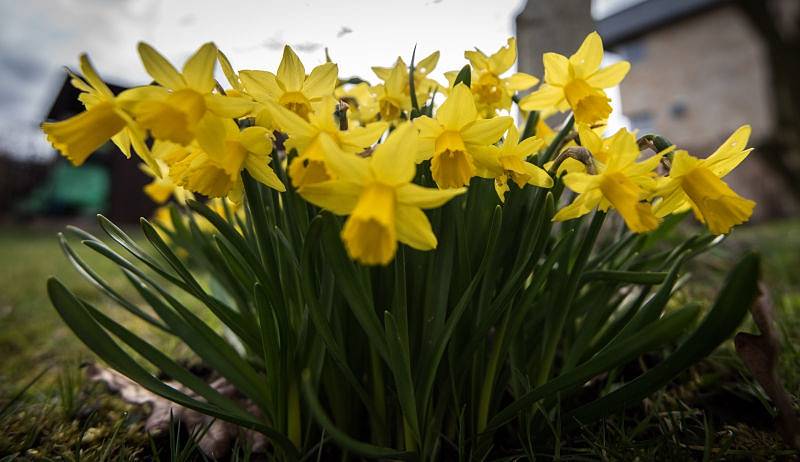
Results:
<point x="62" y="417"/>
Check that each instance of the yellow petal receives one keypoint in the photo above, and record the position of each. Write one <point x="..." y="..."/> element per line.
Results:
<point x="79" y="136"/>
<point x="581" y="182"/>
<point x="159" y="68"/>
<point x="546" y="97"/>
<point x="428" y="128"/>
<point x="291" y="72"/>
<point x="394" y="160"/>
<point x="582" y="205"/>
<point x="345" y="165"/>
<point x="731" y="153"/>
<point x="228" y="106"/>
<point x="360" y="138"/>
<point x="587" y="59"/>
<point x="198" y="71"/>
<point x="537" y="176"/>
<point x="504" y="58"/>
<point x="520" y="81"/>
<point x="291" y="123"/>
<point x="426" y="198"/>
<point x="414" y="229"/>
<point x="94" y="80"/>
<point x="609" y="76"/>
<point x="261" y="85"/>
<point x="227" y="69"/>
<point x="485" y="131"/>
<point x="321" y="81"/>
<point x="452" y="169"/>
<point x="458" y="109"/>
<point x="211" y="134"/>
<point x="339" y="197"/>
<point x="258" y="167"/>
<point x="556" y="69"/>
<point x="427" y="64"/>
<point x="256" y="139"/>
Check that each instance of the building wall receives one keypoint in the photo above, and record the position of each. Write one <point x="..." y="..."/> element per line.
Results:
<point x="697" y="80"/>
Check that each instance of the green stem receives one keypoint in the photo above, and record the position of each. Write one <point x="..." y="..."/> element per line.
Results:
<point x="554" y="334"/>
<point x="378" y="395"/>
<point x="491" y="372"/>
<point x="293" y="415"/>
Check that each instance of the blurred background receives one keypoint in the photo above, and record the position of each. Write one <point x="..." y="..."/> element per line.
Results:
<point x="701" y="68"/>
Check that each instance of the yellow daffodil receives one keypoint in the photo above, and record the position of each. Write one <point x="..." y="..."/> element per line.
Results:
<point x="307" y="138"/>
<point x="620" y="182"/>
<point x="697" y="184"/>
<point x="184" y="107"/>
<point x="162" y="187"/>
<point x="452" y="139"/>
<point x="577" y="82"/>
<point x="376" y="192"/>
<point x="509" y="162"/>
<point x="219" y="176"/>
<point x="290" y="87"/>
<point x="104" y="118"/>
<point x="361" y="101"/>
<point x="491" y="91"/>
<point x="423" y="85"/>
<point x="392" y="95"/>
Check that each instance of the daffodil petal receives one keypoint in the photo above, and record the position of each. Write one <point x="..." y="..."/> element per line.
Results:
<point x="587" y="59"/>
<point x="556" y="69"/>
<point x="321" y="81"/>
<point x="731" y="153"/>
<point x="159" y="68"/>
<point x="520" y="81"/>
<point x="546" y="97"/>
<point x="339" y="197"/>
<point x="258" y="167"/>
<point x="609" y="76"/>
<point x="426" y="198"/>
<point x="261" y="85"/>
<point x="414" y="229"/>
<point x="198" y="71"/>
<point x="291" y="72"/>
<point x="458" y="109"/>
<point x="485" y="131"/>
<point x="394" y="160"/>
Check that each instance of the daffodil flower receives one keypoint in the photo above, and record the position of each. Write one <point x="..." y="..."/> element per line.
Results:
<point x="104" y="118"/>
<point x="384" y="207"/>
<point x="290" y="87"/>
<point x="697" y="184"/>
<point x="620" y="182"/>
<point x="162" y="187"/>
<point x="509" y="162"/>
<point x="307" y="138"/>
<point x="219" y="176"/>
<point x="577" y="82"/>
<point x="452" y="139"/>
<point x="493" y="92"/>
<point x="423" y="85"/>
<point x="392" y="95"/>
<point x="184" y="107"/>
<point x="362" y="103"/>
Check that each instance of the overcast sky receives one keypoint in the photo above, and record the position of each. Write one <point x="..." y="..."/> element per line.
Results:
<point x="39" y="37"/>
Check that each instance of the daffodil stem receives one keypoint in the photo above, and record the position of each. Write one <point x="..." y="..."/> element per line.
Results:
<point x="491" y="372"/>
<point x="571" y="288"/>
<point x="293" y="415"/>
<point x="530" y="126"/>
<point x="378" y="391"/>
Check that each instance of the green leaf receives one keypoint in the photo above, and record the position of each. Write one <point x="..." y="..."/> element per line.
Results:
<point x="75" y="315"/>
<point x="627" y="277"/>
<point x="733" y="301"/>
<point x="348" y="442"/>
<point x="464" y="76"/>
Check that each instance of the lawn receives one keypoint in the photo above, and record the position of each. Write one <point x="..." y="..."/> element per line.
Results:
<point x="61" y="416"/>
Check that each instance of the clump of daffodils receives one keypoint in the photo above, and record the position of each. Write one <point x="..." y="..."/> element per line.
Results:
<point x="204" y="136"/>
<point x="397" y="266"/>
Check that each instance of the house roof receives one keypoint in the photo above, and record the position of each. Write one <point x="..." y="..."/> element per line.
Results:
<point x="647" y="15"/>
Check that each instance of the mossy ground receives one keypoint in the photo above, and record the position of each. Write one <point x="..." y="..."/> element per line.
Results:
<point x="716" y="412"/>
